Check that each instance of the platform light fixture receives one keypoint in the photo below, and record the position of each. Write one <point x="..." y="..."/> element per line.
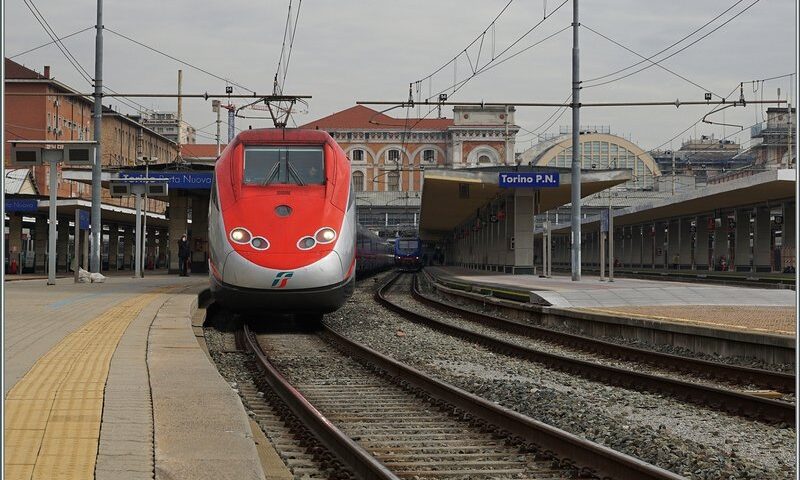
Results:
<point x="30" y="153"/>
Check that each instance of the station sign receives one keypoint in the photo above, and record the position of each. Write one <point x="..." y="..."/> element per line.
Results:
<point x="180" y="180"/>
<point x="604" y="221"/>
<point x="84" y="219"/>
<point x="14" y="205"/>
<point x="528" y="179"/>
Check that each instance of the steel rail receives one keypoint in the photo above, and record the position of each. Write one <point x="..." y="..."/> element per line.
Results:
<point x="733" y="402"/>
<point x="360" y="462"/>
<point x="782" y="382"/>
<point x="569" y="449"/>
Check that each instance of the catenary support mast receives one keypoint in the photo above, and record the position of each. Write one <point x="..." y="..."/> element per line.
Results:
<point x="576" y="148"/>
<point x="97" y="167"/>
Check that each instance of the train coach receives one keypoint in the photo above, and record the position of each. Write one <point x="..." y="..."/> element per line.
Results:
<point x="282" y="224"/>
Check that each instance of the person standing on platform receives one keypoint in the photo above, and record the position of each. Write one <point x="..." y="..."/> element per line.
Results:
<point x="183" y="255"/>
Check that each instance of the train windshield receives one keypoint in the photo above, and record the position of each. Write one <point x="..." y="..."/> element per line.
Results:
<point x="407" y="245"/>
<point x="284" y="165"/>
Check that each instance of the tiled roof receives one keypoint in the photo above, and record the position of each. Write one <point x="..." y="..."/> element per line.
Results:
<point x="200" y="150"/>
<point x="16" y="179"/>
<point x="360" y="117"/>
<point x="17" y="71"/>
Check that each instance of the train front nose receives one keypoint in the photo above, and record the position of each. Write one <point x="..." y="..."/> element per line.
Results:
<point x="283" y="272"/>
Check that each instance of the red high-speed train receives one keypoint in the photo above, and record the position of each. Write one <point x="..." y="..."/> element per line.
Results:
<point x="282" y="225"/>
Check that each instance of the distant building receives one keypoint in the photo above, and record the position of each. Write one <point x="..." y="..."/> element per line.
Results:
<point x="774" y="136"/>
<point x="388" y="155"/>
<point x="166" y="124"/>
<point x="599" y="150"/>
<point x="703" y="158"/>
<point x="53" y="117"/>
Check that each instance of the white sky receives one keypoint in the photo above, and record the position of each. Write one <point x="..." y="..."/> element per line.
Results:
<point x="347" y="51"/>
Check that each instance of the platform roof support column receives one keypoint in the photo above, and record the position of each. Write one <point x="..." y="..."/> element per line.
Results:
<point x="85" y="249"/>
<point x="62" y="245"/>
<point x="685" y="243"/>
<point x="523" y="231"/>
<point x="15" y="240"/>
<point x="672" y="250"/>
<point x="661" y="245"/>
<point x="701" y="252"/>
<point x="648" y="244"/>
<point x="40" y="244"/>
<point x="178" y="225"/>
<point x="113" y="247"/>
<point x="789" y="234"/>
<point x="127" y="248"/>
<point x="637" y="246"/>
<point x="199" y="242"/>
<point x="720" y="240"/>
<point x="627" y="239"/>
<point x="744" y="252"/>
<point x="762" y="240"/>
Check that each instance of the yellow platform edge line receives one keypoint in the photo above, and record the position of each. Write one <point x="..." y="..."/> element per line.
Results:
<point x="61" y="448"/>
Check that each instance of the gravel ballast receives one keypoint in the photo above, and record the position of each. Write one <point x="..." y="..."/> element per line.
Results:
<point x="693" y="441"/>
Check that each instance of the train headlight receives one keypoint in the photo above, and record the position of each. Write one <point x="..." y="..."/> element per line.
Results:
<point x="241" y="236"/>
<point x="306" y="243"/>
<point x="325" y="235"/>
<point x="259" y="243"/>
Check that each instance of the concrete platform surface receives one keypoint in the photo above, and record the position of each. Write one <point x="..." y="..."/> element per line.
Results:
<point x="107" y="381"/>
<point x="754" y="309"/>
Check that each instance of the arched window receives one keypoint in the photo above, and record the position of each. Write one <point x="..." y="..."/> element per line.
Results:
<point x="357" y="155"/>
<point x="393" y="181"/>
<point x="484" y="159"/>
<point x="394" y="156"/>
<point x="358" y="181"/>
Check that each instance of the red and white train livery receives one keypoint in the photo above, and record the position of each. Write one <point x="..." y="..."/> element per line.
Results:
<point x="282" y="223"/>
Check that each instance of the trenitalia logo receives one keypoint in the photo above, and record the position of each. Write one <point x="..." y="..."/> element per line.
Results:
<point x="281" y="279"/>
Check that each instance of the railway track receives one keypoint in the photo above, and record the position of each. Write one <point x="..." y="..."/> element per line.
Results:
<point x="385" y="420"/>
<point x="781" y="382"/>
<point x="728" y="400"/>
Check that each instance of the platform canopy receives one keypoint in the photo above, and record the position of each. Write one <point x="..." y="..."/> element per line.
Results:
<point x="759" y="188"/>
<point x="449" y="196"/>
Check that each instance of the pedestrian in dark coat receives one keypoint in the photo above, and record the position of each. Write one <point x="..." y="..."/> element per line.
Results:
<point x="183" y="255"/>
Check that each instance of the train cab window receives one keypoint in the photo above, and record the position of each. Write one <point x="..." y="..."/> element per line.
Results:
<point x="278" y="165"/>
<point x="306" y="166"/>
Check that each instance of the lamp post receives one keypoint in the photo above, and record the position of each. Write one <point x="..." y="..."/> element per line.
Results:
<point x="36" y="152"/>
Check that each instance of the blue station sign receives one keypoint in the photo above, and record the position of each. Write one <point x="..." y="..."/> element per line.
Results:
<point x="528" y="179"/>
<point x="21" y="205"/>
<point x="181" y="180"/>
<point x="84" y="220"/>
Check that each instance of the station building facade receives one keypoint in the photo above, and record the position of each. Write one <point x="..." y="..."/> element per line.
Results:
<point x="43" y="114"/>
<point x="390" y="154"/>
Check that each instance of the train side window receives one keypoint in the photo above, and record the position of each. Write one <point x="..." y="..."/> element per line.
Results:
<point x="214" y="191"/>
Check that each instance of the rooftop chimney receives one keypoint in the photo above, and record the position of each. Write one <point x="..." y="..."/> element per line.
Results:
<point x="47" y="71"/>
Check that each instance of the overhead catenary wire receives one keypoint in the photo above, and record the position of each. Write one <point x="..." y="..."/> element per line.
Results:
<point x="479" y="37"/>
<point x="183" y="62"/>
<point x="54" y="37"/>
<point x="40" y="18"/>
<point x="654" y="63"/>
<point x="497" y="59"/>
<point x="682" y="39"/>
<point x="616" y="79"/>
<point x="59" y="39"/>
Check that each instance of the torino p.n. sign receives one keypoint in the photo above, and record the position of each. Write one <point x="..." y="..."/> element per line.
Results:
<point x="528" y="179"/>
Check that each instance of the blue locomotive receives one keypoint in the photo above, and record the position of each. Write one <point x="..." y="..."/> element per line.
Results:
<point x="408" y="253"/>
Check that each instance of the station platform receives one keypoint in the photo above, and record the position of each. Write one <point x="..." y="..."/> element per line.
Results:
<point x="108" y="381"/>
<point x="724" y="307"/>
